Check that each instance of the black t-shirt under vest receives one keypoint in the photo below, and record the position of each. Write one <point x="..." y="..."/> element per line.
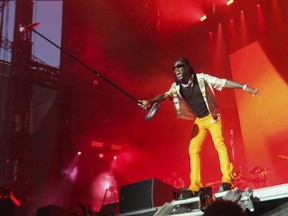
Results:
<point x="194" y="99"/>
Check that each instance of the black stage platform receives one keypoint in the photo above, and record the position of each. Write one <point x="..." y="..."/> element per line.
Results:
<point x="267" y="201"/>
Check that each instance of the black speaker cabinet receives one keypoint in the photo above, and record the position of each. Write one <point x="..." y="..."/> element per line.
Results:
<point x="145" y="194"/>
<point x="52" y="210"/>
<point x="109" y="209"/>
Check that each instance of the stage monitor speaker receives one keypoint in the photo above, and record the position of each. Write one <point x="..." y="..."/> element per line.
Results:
<point x="145" y="194"/>
<point x="109" y="209"/>
<point x="52" y="210"/>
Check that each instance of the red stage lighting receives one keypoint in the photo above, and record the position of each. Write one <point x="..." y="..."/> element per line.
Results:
<point x="116" y="147"/>
<point x="79" y="153"/>
<point x="97" y="144"/>
<point x="95" y="83"/>
<point x="101" y="155"/>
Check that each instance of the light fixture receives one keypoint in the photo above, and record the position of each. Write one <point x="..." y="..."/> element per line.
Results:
<point x="203" y="18"/>
<point x="116" y="147"/>
<point x="229" y="2"/>
<point x="97" y="144"/>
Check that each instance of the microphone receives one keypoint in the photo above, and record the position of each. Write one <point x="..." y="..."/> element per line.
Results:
<point x="28" y="27"/>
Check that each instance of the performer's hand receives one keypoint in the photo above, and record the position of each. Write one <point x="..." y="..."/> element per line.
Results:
<point x="144" y="104"/>
<point x="252" y="91"/>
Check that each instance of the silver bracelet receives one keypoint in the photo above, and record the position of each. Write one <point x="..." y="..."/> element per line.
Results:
<point x="245" y="86"/>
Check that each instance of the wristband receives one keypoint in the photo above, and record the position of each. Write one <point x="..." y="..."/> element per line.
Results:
<point x="245" y="86"/>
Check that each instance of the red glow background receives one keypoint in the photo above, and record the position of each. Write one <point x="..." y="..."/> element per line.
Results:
<point x="134" y="44"/>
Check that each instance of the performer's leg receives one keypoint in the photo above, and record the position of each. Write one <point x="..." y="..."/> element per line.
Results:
<point x="218" y="140"/>
<point x="197" y="137"/>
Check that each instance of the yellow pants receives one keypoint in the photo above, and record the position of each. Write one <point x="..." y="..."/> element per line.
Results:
<point x="199" y="130"/>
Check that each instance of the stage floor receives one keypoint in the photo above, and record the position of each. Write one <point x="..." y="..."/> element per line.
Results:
<point x="265" y="201"/>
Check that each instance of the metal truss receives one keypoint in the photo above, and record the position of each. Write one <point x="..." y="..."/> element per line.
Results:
<point x="41" y="73"/>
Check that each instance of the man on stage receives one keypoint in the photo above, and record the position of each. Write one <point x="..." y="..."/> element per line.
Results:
<point x="194" y="99"/>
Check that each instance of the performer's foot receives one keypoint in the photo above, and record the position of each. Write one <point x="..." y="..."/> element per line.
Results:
<point x="186" y="194"/>
<point x="224" y="187"/>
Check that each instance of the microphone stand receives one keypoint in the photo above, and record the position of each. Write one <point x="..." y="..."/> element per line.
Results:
<point x="85" y="65"/>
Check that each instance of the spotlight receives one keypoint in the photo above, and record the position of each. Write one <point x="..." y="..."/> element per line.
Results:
<point x="115" y="157"/>
<point x="79" y="153"/>
<point x="229" y="2"/>
<point x="101" y="155"/>
<point x="203" y="18"/>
